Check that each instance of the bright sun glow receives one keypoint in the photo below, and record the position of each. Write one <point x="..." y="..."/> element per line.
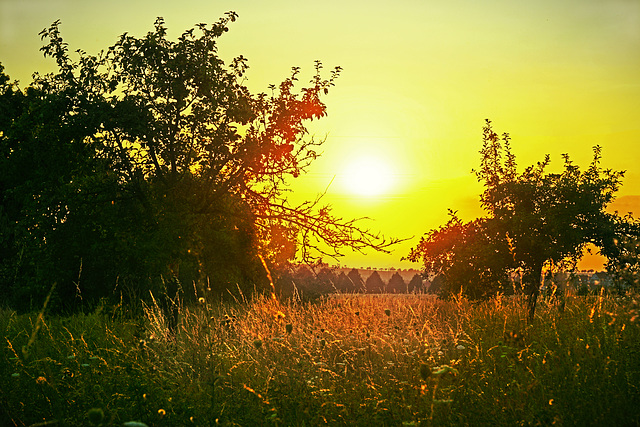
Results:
<point x="368" y="176"/>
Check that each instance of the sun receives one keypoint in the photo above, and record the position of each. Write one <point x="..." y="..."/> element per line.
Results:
<point x="368" y="176"/>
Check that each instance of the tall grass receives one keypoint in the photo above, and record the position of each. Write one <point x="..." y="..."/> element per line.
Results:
<point x="351" y="360"/>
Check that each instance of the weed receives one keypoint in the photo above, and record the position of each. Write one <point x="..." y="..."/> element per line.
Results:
<point x="356" y="360"/>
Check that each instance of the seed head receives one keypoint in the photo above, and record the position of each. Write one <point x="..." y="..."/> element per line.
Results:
<point x="289" y="328"/>
<point x="387" y="312"/>
<point x="96" y="416"/>
<point x="257" y="343"/>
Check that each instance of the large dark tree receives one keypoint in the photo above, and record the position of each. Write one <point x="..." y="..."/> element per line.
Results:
<point x="535" y="219"/>
<point x="152" y="160"/>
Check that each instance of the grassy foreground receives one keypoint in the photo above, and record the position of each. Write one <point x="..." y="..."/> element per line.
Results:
<point x="351" y="360"/>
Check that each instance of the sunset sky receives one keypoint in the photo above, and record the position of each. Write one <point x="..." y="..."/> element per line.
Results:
<point x="419" y="79"/>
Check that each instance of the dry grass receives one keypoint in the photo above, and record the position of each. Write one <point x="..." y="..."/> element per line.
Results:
<point x="351" y="360"/>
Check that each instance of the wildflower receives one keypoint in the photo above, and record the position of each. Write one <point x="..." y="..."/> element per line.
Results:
<point x="387" y="312"/>
<point x="201" y="300"/>
<point x="161" y="412"/>
<point x="41" y="380"/>
<point x="279" y="315"/>
<point x="95" y="415"/>
<point x="289" y="328"/>
<point x="226" y="321"/>
<point x="460" y="347"/>
<point x="257" y="343"/>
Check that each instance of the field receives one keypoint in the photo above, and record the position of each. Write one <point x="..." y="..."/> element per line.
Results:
<point x="350" y="360"/>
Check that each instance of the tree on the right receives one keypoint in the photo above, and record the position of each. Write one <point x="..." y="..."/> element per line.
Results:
<point x="535" y="219"/>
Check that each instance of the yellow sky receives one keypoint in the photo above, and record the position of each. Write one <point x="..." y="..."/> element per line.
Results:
<point x="419" y="79"/>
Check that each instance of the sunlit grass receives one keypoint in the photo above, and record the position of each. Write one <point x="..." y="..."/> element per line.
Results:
<point x="350" y="360"/>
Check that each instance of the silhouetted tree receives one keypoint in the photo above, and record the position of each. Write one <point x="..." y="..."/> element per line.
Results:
<point x="623" y="254"/>
<point x="470" y="257"/>
<point x="326" y="278"/>
<point x="534" y="219"/>
<point x="344" y="283"/>
<point x="356" y="279"/>
<point x="396" y="284"/>
<point x="152" y="160"/>
<point x="374" y="283"/>
<point x="416" y="284"/>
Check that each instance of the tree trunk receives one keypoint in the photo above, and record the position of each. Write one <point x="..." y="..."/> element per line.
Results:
<point x="531" y="281"/>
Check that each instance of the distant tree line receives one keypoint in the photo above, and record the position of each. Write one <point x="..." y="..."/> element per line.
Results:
<point x="313" y="281"/>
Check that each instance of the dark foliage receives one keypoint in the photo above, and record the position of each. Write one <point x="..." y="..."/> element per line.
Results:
<point x="374" y="284"/>
<point x="535" y="219"/>
<point x="152" y="162"/>
<point x="396" y="284"/>
<point x="416" y="284"/>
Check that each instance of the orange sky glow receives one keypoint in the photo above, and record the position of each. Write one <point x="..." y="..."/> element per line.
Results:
<point x="419" y="79"/>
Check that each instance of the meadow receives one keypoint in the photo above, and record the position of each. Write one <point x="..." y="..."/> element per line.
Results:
<point x="347" y="360"/>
